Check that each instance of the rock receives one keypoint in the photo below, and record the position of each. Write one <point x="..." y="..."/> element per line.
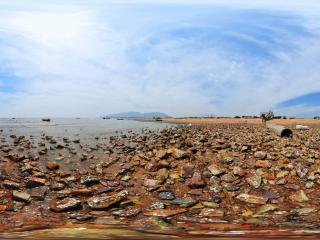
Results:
<point x="128" y="212"/>
<point x="263" y="164"/>
<point x="104" y="202"/>
<point x="53" y="165"/>
<point x="161" y="154"/>
<point x="215" y="169"/>
<point x="227" y="178"/>
<point x="11" y="185"/>
<point x="157" y="205"/>
<point x="57" y="186"/>
<point x="184" y="202"/>
<point x="125" y="178"/>
<point x="81" y="192"/>
<point x="165" y="212"/>
<point x="187" y="171"/>
<point x="166" y="195"/>
<point x="211" y="213"/>
<point x="260" y="155"/>
<point x="177" y="153"/>
<point x="309" y="185"/>
<point x="239" y="171"/>
<point x="253" y="179"/>
<point x="39" y="193"/>
<point x="230" y="187"/>
<point x="266" y="208"/>
<point x="21" y="196"/>
<point x="64" y="205"/>
<point x="195" y="182"/>
<point x="89" y="181"/>
<point x="210" y="204"/>
<point x="282" y="174"/>
<point x="251" y="198"/>
<point x="306" y="211"/>
<point x="299" y="196"/>
<point x="162" y="175"/>
<point x="35" y="182"/>
<point x="151" y="184"/>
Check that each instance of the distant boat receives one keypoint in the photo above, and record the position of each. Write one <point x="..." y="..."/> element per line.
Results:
<point x="46" y="119"/>
<point x="120" y="119"/>
<point x="105" y="118"/>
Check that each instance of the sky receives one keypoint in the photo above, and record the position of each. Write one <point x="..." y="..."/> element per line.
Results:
<point x="87" y="58"/>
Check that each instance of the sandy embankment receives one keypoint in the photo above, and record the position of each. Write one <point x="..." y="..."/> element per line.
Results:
<point x="287" y="122"/>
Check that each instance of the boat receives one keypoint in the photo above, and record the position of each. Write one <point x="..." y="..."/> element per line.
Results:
<point x="46" y="119"/>
<point x="120" y="119"/>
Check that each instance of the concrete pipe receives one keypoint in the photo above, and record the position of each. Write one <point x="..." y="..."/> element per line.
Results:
<point x="280" y="130"/>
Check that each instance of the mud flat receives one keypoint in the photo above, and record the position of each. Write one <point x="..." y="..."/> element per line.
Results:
<point x="178" y="181"/>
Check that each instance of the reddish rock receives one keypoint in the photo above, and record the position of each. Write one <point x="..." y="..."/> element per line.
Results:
<point x="164" y="212"/>
<point x="64" y="205"/>
<point x="128" y="212"/>
<point x="195" y="182"/>
<point x="52" y="165"/>
<point x="103" y="202"/>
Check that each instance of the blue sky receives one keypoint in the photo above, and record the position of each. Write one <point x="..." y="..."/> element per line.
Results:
<point x="86" y="58"/>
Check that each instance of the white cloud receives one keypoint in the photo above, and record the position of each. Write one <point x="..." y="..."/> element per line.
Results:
<point x="77" y="61"/>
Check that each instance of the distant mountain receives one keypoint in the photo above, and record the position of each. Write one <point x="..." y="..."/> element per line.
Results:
<point x="138" y="115"/>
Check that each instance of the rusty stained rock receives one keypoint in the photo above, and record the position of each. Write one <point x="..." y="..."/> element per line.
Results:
<point x="104" y="202"/>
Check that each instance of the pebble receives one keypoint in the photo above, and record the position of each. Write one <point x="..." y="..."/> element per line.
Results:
<point x="166" y="195"/>
<point x="21" y="196"/>
<point x="104" y="202"/>
<point x="64" y="205"/>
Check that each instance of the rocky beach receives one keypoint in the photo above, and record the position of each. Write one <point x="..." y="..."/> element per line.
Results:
<point x="163" y="181"/>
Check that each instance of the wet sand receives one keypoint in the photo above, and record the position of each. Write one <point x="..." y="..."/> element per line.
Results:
<point x="164" y="181"/>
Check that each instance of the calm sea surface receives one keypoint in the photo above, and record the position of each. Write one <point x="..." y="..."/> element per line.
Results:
<point x="83" y="128"/>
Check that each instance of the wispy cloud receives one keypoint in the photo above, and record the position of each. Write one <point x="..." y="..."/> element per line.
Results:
<point x="89" y="58"/>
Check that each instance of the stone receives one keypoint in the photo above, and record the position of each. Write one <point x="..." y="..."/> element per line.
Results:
<point x="251" y="198"/>
<point x="215" y="169"/>
<point x="195" y="182"/>
<point x="266" y="208"/>
<point x="299" y="196"/>
<point x="239" y="171"/>
<point x="263" y="163"/>
<point x="164" y="212"/>
<point x="35" y="182"/>
<point x="211" y="213"/>
<point x="128" y="212"/>
<point x="53" y="165"/>
<point x="65" y="205"/>
<point x="260" y="155"/>
<point x="230" y="187"/>
<point x="162" y="175"/>
<point x="39" y="193"/>
<point x="11" y="185"/>
<point x="184" y="202"/>
<point x="157" y="205"/>
<point x="89" y="180"/>
<point x="21" y="196"/>
<point x="166" y="195"/>
<point x="57" y="186"/>
<point x="104" y="202"/>
<point x="253" y="179"/>
<point x="151" y="184"/>
<point x="187" y="171"/>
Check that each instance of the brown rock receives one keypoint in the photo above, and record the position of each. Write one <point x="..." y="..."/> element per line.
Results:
<point x="164" y="212"/>
<point x="66" y="204"/>
<point x="52" y="165"/>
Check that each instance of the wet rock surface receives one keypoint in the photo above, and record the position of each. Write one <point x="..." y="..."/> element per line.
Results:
<point x="177" y="178"/>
